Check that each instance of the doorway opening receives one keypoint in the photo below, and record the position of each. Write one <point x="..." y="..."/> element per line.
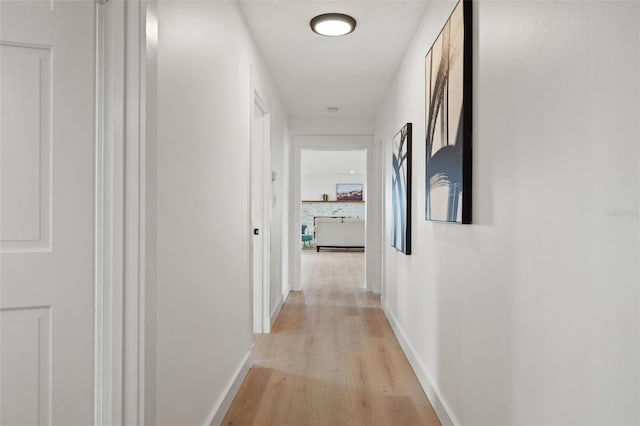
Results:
<point x="333" y="213"/>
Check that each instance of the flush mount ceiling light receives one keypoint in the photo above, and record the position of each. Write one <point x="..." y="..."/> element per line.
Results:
<point x="333" y="24"/>
<point x="333" y="110"/>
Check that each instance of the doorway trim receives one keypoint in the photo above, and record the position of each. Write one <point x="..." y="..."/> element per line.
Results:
<point x="119" y="280"/>
<point x="336" y="143"/>
<point x="261" y="318"/>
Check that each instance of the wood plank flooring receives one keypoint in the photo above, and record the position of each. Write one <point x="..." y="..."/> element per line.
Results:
<point x="332" y="358"/>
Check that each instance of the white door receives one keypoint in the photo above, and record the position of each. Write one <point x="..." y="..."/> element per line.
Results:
<point x="47" y="68"/>
<point x="260" y="196"/>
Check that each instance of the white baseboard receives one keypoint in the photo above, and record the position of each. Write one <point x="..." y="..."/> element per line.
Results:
<point x="295" y="285"/>
<point x="276" y="312"/>
<point x="224" y="402"/>
<point x="440" y="406"/>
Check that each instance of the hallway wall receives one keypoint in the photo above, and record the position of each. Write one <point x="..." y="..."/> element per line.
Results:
<point x="207" y="64"/>
<point x="279" y="268"/>
<point x="531" y="314"/>
<point x="321" y="171"/>
<point x="332" y="125"/>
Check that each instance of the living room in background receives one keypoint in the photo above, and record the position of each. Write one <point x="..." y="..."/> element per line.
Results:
<point x="333" y="201"/>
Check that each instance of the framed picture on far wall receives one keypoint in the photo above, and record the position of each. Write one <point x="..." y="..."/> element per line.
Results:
<point x="349" y="191"/>
<point x="448" y="120"/>
<point x="401" y="190"/>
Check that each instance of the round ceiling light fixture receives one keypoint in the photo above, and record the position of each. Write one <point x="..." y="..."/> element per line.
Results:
<point x="333" y="24"/>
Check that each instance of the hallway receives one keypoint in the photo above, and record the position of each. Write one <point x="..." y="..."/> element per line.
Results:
<point x="332" y="358"/>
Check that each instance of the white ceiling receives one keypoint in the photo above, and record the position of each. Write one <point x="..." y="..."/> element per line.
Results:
<point x="316" y="163"/>
<point x="313" y="72"/>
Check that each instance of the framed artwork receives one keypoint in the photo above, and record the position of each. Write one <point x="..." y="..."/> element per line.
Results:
<point x="401" y="190"/>
<point x="349" y="191"/>
<point x="448" y="120"/>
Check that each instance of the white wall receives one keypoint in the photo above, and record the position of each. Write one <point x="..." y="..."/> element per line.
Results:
<point x="279" y="259"/>
<point x="530" y="315"/>
<point x="334" y="125"/>
<point x="313" y="186"/>
<point x="207" y="66"/>
<point x="322" y="170"/>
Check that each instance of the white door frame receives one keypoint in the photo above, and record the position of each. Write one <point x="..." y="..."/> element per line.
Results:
<point x="336" y="143"/>
<point x="261" y="293"/>
<point x="119" y="212"/>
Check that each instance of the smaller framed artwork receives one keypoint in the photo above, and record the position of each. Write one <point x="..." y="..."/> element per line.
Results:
<point x="401" y="190"/>
<point x="349" y="191"/>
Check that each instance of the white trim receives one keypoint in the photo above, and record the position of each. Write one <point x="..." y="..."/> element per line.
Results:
<point x="134" y="230"/>
<point x="276" y="311"/>
<point x="283" y="300"/>
<point x="334" y="143"/>
<point x="109" y="182"/>
<point x="99" y="224"/>
<point x="266" y="218"/>
<point x="429" y="385"/>
<point x="224" y="402"/>
<point x="140" y="310"/>
<point x="295" y="183"/>
<point x="119" y="280"/>
<point x="378" y="203"/>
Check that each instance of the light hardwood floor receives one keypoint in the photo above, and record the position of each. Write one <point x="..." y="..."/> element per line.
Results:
<point x="332" y="358"/>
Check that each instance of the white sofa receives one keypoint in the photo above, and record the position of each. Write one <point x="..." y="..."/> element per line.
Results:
<point x="339" y="232"/>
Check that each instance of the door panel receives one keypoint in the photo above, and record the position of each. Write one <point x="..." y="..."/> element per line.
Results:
<point x="26" y="356"/>
<point x="26" y="144"/>
<point x="47" y="86"/>
<point x="257" y="213"/>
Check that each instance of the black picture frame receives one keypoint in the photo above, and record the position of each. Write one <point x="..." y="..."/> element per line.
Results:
<point x="448" y="126"/>
<point x="401" y="189"/>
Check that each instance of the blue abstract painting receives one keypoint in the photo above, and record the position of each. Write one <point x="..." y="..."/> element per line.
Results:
<point x="401" y="190"/>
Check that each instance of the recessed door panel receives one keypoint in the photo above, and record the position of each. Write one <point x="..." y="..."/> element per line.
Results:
<point x="25" y="351"/>
<point x="25" y="143"/>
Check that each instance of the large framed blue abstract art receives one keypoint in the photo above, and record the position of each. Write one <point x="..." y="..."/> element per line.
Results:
<point x="401" y="190"/>
<point x="448" y="120"/>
